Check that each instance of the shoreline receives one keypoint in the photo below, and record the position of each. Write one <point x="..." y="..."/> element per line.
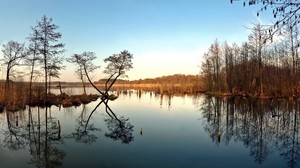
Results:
<point x="63" y="100"/>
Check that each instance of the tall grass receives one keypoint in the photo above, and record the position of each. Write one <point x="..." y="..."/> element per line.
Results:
<point x="2" y="93"/>
<point x="17" y="94"/>
<point x="163" y="88"/>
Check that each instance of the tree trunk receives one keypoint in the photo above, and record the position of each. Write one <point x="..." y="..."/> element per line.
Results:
<point x="82" y="81"/>
<point x="87" y="76"/>
<point x="49" y="84"/>
<point x="6" y="91"/>
<point x="30" y="84"/>
<point x="46" y="77"/>
<point x="107" y="89"/>
<point x="60" y="87"/>
<point x="31" y="76"/>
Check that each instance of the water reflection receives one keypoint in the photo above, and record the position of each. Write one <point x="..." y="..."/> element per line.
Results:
<point x="118" y="128"/>
<point x="264" y="127"/>
<point x="84" y="132"/>
<point x="266" y="132"/>
<point x="37" y="131"/>
<point x="29" y="132"/>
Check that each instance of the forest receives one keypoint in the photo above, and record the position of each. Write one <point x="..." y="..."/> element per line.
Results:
<point x="253" y="68"/>
<point x="266" y="65"/>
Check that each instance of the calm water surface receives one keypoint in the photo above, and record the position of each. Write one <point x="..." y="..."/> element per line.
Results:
<point x="147" y="130"/>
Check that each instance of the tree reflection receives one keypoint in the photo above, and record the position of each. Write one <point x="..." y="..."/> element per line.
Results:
<point x="288" y="145"/>
<point x="44" y="138"/>
<point x="118" y="128"/>
<point x="37" y="131"/>
<point x="14" y="136"/>
<point x="167" y="98"/>
<point x="84" y="132"/>
<point x="40" y="137"/>
<point x="263" y="126"/>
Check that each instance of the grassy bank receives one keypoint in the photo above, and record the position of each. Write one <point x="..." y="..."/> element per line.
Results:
<point x="17" y="96"/>
<point x="157" y="88"/>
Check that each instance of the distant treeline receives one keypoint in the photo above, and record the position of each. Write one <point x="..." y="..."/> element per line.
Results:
<point x="255" y="68"/>
<point x="172" y="84"/>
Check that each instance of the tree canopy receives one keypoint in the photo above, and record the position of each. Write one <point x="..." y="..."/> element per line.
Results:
<point x="47" y="37"/>
<point x="118" y="64"/>
<point x="13" y="53"/>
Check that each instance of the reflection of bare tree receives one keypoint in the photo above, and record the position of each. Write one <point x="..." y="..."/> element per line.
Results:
<point x="37" y="131"/>
<point x="211" y="110"/>
<point x="259" y="137"/>
<point x="83" y="130"/>
<point x="119" y="128"/>
<point x="14" y="137"/>
<point x="39" y="135"/>
<point x="44" y="136"/>
<point x="229" y="121"/>
<point x="263" y="126"/>
<point x="289" y="145"/>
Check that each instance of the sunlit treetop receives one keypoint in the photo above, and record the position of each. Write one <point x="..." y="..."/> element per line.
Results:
<point x="118" y="63"/>
<point x="285" y="12"/>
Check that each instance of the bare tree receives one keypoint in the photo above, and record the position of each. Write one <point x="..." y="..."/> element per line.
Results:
<point x="54" y="66"/>
<point x="48" y="37"/>
<point x="206" y="73"/>
<point x="228" y="56"/>
<point x="77" y="59"/>
<point x="13" y="53"/>
<point x="86" y="61"/>
<point x="214" y="65"/>
<point x="32" y="58"/>
<point x="257" y="45"/>
<point x="117" y="66"/>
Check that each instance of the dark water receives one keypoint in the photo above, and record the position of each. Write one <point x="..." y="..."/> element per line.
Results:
<point x="148" y="130"/>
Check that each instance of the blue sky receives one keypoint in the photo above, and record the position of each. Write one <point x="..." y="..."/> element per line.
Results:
<point x="165" y="36"/>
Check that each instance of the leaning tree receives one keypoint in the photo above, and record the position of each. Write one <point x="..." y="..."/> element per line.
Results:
<point x="77" y="60"/>
<point x="117" y="66"/>
<point x="84" y="66"/>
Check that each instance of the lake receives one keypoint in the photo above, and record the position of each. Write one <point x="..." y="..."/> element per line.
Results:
<point x="143" y="129"/>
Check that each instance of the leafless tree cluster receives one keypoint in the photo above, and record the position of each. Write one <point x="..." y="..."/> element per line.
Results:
<point x="43" y="52"/>
<point x="267" y="64"/>
<point x="254" y="67"/>
<point x="84" y="66"/>
<point x="31" y="130"/>
<point x="263" y="127"/>
<point x="117" y="66"/>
